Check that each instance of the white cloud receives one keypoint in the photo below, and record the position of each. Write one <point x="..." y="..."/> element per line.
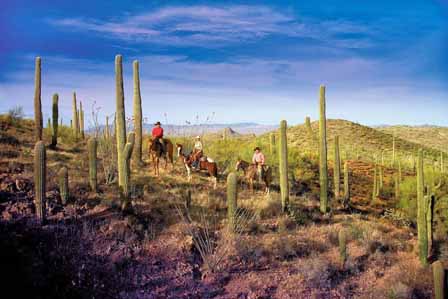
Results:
<point x="209" y="26"/>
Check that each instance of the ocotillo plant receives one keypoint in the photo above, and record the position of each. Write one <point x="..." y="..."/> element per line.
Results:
<point x="63" y="185"/>
<point x="337" y="168"/>
<point x="323" y="168"/>
<point x="438" y="273"/>
<point x="232" y="194"/>
<point x="421" y="212"/>
<point x="138" y="115"/>
<point x="342" y="238"/>
<point x="40" y="176"/>
<point x="272" y="143"/>
<point x="92" y="145"/>
<point x="55" y="110"/>
<point x="283" y="165"/>
<point x="75" y="117"/>
<point x="81" y="120"/>
<point x="38" y="122"/>
<point x="346" y="200"/>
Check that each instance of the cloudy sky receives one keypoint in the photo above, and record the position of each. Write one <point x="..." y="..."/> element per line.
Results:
<point x="383" y="62"/>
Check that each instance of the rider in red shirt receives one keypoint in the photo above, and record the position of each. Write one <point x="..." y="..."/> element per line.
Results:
<point x="157" y="134"/>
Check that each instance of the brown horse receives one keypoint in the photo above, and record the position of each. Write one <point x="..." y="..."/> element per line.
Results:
<point x="204" y="164"/>
<point x="155" y="152"/>
<point x="251" y="174"/>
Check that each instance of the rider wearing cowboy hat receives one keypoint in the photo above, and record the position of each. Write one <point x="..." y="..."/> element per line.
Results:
<point x="197" y="152"/>
<point x="258" y="159"/>
<point x="157" y="134"/>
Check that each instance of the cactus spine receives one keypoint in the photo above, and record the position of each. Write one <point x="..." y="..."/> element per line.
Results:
<point x="272" y="143"/>
<point x="232" y="194"/>
<point x="63" y="185"/>
<point x="124" y="148"/>
<point x="75" y="117"/>
<point x="342" y="238"/>
<point x="337" y="168"/>
<point x="92" y="149"/>
<point x="323" y="168"/>
<point x="346" y="186"/>
<point x="81" y="120"/>
<point x="438" y="273"/>
<point x="138" y="126"/>
<point x="421" y="212"/>
<point x="38" y="122"/>
<point x="54" y="137"/>
<point x="283" y="165"/>
<point x="40" y="175"/>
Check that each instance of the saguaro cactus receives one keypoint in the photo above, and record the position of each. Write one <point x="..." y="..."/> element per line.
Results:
<point x="124" y="149"/>
<point x="438" y="272"/>
<point x="75" y="117"/>
<point x="421" y="212"/>
<point x="283" y="165"/>
<point x="63" y="184"/>
<point x="342" y="238"/>
<point x="323" y="168"/>
<point x="38" y="122"/>
<point x="92" y="150"/>
<point x="375" y="183"/>
<point x="232" y="194"/>
<point x="346" y="185"/>
<point x="55" y="110"/>
<point x="81" y="120"/>
<point x="40" y="176"/>
<point x="138" y="115"/>
<point x="272" y="143"/>
<point x="393" y="152"/>
<point x="106" y="129"/>
<point x="49" y="124"/>
<point x="337" y="168"/>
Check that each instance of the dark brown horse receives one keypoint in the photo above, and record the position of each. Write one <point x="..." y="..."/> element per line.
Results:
<point x="205" y="163"/>
<point x="155" y="152"/>
<point x="251" y="174"/>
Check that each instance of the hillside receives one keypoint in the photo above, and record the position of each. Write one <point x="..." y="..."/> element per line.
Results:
<point x="430" y="136"/>
<point x="355" y="140"/>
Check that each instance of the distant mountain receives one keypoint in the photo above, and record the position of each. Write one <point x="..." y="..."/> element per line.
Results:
<point x="200" y="129"/>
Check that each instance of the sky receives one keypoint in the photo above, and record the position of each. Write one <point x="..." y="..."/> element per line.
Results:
<point x="382" y="62"/>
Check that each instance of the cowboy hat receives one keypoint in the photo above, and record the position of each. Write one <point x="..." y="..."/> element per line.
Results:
<point x="256" y="149"/>
<point x="198" y="137"/>
<point x="157" y="124"/>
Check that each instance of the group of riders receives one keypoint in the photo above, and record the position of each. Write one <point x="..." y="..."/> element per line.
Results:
<point x="258" y="157"/>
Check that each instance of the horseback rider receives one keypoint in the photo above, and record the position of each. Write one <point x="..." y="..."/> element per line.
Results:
<point x="157" y="135"/>
<point x="258" y="159"/>
<point x="197" y="152"/>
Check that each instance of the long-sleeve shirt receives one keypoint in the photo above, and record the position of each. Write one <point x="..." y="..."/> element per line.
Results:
<point x="258" y="158"/>
<point x="198" y="145"/>
<point x="157" y="132"/>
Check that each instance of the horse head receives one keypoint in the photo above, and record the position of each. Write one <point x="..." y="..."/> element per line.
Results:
<point x="239" y="165"/>
<point x="179" y="149"/>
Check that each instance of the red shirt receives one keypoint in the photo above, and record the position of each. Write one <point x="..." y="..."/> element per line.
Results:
<point x="157" y="132"/>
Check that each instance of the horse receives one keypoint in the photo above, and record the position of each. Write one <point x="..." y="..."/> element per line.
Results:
<point x="205" y="163"/>
<point x="251" y="174"/>
<point x="155" y="152"/>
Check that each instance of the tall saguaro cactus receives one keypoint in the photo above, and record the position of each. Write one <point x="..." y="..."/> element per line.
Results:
<point x="81" y="120"/>
<point x="92" y="145"/>
<point x="138" y="115"/>
<point x="323" y="168"/>
<point x="337" y="168"/>
<point x="38" y="121"/>
<point x="232" y="195"/>
<point x="63" y="184"/>
<point x="55" y="110"/>
<point x="421" y="212"/>
<point x="40" y="176"/>
<point x="272" y="143"/>
<point x="75" y="117"/>
<point x="439" y="280"/>
<point x="124" y="147"/>
<point x="283" y="165"/>
<point x="346" y="185"/>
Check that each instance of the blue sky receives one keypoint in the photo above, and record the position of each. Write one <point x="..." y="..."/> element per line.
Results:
<point x="383" y="62"/>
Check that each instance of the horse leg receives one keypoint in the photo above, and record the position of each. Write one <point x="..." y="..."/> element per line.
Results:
<point x="215" y="182"/>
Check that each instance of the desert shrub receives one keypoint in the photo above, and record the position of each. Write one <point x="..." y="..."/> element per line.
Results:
<point x="15" y="115"/>
<point x="107" y="153"/>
